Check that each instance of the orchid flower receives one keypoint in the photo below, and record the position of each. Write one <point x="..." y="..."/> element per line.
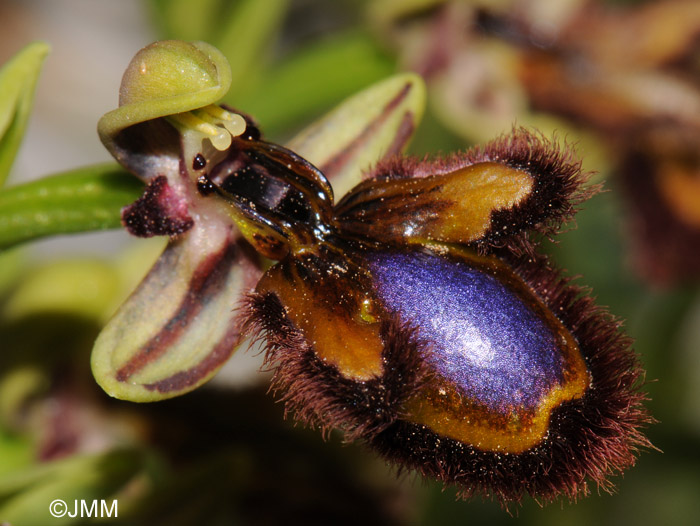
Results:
<point x="414" y="313"/>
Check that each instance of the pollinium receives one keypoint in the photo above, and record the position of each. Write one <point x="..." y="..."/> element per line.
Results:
<point x="415" y="315"/>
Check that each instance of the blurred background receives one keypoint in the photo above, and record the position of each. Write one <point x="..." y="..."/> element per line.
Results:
<point x="620" y="80"/>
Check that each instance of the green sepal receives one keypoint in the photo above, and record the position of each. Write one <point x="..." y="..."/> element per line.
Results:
<point x="364" y="129"/>
<point x="180" y="325"/>
<point x="166" y="78"/>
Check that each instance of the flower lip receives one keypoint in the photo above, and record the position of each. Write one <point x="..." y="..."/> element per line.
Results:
<point x="558" y="404"/>
<point x="590" y="437"/>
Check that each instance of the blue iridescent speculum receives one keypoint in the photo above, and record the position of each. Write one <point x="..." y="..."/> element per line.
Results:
<point x="495" y="347"/>
<point x="414" y="313"/>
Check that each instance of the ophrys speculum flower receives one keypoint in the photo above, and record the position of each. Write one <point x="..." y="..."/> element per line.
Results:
<point x="414" y="314"/>
<point x="180" y="325"/>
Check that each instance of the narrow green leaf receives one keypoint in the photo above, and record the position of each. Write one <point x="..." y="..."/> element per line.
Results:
<point x="16" y="452"/>
<point x="242" y="30"/>
<point x="185" y="19"/>
<point x="77" y="201"/>
<point x="384" y="12"/>
<point x="313" y="80"/>
<point x="246" y="34"/>
<point x="17" y="82"/>
<point x="81" y="286"/>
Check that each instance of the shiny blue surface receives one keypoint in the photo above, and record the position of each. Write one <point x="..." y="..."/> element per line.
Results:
<point x="485" y="339"/>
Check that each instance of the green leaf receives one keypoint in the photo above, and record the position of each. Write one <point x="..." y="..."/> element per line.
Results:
<point x="81" y="286"/>
<point x="312" y="80"/>
<point x="242" y="30"/>
<point x="185" y="19"/>
<point x="245" y="35"/>
<point x="16" y="452"/>
<point x="17" y="82"/>
<point x="81" y="200"/>
<point x="384" y="12"/>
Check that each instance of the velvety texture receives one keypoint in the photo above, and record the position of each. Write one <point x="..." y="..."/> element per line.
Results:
<point x="484" y="338"/>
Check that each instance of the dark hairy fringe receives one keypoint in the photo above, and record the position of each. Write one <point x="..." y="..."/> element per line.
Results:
<point x="589" y="439"/>
<point x="557" y="191"/>
<point x="316" y="393"/>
